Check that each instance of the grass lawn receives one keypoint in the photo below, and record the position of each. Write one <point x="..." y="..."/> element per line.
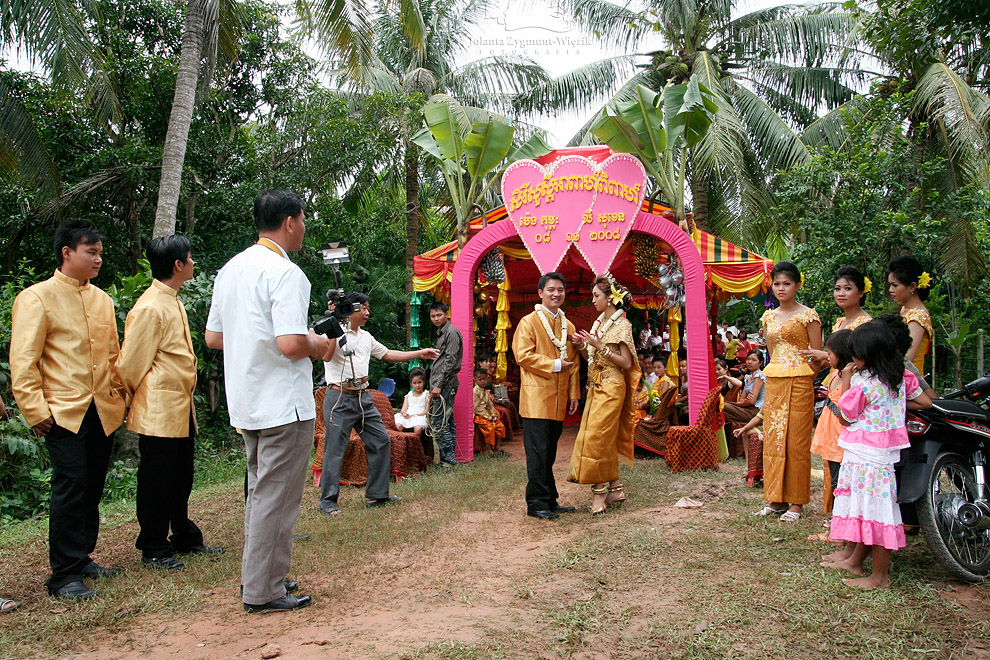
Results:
<point x="457" y="571"/>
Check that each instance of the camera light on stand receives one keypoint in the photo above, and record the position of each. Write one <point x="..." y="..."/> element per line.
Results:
<point x="335" y="253"/>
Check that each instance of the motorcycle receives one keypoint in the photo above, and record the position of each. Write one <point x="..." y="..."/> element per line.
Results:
<point x="943" y="474"/>
<point x="821" y="391"/>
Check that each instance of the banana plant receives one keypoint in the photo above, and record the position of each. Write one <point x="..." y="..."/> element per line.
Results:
<point x="660" y="130"/>
<point x="473" y="147"/>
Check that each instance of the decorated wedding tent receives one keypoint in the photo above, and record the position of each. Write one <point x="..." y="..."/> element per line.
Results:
<point x="507" y="253"/>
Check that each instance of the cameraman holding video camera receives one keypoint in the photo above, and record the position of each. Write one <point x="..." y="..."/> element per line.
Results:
<point x="348" y="406"/>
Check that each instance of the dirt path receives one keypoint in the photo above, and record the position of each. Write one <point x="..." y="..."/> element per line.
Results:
<point x="486" y="575"/>
<point x="650" y="581"/>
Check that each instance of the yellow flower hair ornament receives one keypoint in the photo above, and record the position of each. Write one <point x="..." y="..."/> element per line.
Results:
<point x="802" y="279"/>
<point x="617" y="296"/>
<point x="868" y="285"/>
<point x="925" y="280"/>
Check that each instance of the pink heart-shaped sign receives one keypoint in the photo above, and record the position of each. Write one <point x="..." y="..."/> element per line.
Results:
<point x="619" y="192"/>
<point x="574" y="201"/>
<point x="546" y="205"/>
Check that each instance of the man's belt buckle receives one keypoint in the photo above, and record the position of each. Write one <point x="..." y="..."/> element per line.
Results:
<point x="355" y="384"/>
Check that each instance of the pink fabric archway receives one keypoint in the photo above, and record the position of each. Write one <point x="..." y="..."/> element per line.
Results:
<point x="462" y="307"/>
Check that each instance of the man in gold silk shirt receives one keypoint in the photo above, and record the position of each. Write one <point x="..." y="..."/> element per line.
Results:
<point x="157" y="367"/>
<point x="549" y="390"/>
<point x="63" y="349"/>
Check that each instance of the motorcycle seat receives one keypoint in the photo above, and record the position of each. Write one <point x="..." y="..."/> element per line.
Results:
<point x="959" y="407"/>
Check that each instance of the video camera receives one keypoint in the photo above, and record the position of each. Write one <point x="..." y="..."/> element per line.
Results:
<point x="335" y="254"/>
<point x="329" y="325"/>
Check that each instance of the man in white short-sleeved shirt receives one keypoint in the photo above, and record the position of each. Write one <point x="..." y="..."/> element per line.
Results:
<point x="258" y="317"/>
<point x="348" y="405"/>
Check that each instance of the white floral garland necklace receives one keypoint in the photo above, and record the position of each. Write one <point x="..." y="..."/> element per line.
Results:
<point x="600" y="332"/>
<point x="560" y="344"/>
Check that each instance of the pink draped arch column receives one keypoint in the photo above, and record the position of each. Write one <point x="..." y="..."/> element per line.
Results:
<point x="462" y="307"/>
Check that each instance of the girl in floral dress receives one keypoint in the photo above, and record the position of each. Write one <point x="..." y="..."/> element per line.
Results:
<point x="877" y="389"/>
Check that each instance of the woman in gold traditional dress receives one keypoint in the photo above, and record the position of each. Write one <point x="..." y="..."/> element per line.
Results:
<point x="606" y="432"/>
<point x="789" y="402"/>
<point x="909" y="288"/>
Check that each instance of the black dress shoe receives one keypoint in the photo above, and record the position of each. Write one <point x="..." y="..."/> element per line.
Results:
<point x="542" y="514"/>
<point x="562" y="509"/>
<point x="200" y="550"/>
<point x="95" y="571"/>
<point x="163" y="563"/>
<point x="283" y="604"/>
<point x="290" y="586"/>
<point x="385" y="501"/>
<point x="73" y="591"/>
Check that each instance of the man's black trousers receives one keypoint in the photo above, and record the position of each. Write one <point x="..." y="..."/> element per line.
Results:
<point x="165" y="479"/>
<point x="79" y="471"/>
<point x="540" y="440"/>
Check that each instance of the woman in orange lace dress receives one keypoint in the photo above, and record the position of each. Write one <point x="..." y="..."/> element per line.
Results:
<point x="909" y="284"/>
<point x="849" y="291"/>
<point x="789" y="403"/>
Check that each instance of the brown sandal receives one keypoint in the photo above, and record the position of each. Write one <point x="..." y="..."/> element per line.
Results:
<point x="8" y="605"/>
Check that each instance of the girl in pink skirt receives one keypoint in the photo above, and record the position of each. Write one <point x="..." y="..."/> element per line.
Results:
<point x="877" y="391"/>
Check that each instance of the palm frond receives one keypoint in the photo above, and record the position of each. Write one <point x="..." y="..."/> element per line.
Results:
<point x="773" y="141"/>
<point x="609" y="22"/>
<point x="943" y="98"/>
<point x="812" y="87"/>
<point x="722" y="145"/>
<point x="645" y="77"/>
<point x="113" y="179"/>
<point x="830" y="129"/>
<point x="812" y="35"/>
<point x="53" y="34"/>
<point x="21" y="149"/>
<point x="493" y="80"/>
<point x="580" y="87"/>
<point x="342" y="27"/>
<point x="414" y="28"/>
<point x="962" y="256"/>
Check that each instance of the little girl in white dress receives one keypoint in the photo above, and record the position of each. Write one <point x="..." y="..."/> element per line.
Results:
<point x="413" y="415"/>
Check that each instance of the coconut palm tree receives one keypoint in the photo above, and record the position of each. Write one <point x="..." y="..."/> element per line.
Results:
<point x="415" y="51"/>
<point x="211" y="28"/>
<point x="770" y="71"/>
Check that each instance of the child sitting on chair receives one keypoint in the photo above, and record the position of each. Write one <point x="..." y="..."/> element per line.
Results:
<point x="485" y="415"/>
<point x="413" y="414"/>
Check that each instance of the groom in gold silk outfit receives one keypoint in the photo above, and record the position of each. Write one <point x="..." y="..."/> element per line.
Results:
<point x="549" y="390"/>
<point x="63" y="354"/>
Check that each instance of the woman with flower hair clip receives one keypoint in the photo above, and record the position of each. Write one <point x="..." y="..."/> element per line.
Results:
<point x="789" y="400"/>
<point x="909" y="284"/>
<point x="606" y="431"/>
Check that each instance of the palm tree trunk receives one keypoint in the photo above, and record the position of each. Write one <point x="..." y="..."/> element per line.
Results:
<point x="412" y="225"/>
<point x="174" y="153"/>
<point x="699" y="201"/>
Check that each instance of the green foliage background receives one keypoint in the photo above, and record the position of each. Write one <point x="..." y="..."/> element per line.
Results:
<point x="268" y="121"/>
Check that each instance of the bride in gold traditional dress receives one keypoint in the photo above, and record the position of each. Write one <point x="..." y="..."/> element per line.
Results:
<point x="909" y="284"/>
<point x="606" y="432"/>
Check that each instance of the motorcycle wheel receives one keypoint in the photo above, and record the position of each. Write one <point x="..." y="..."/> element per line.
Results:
<point x="963" y="551"/>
